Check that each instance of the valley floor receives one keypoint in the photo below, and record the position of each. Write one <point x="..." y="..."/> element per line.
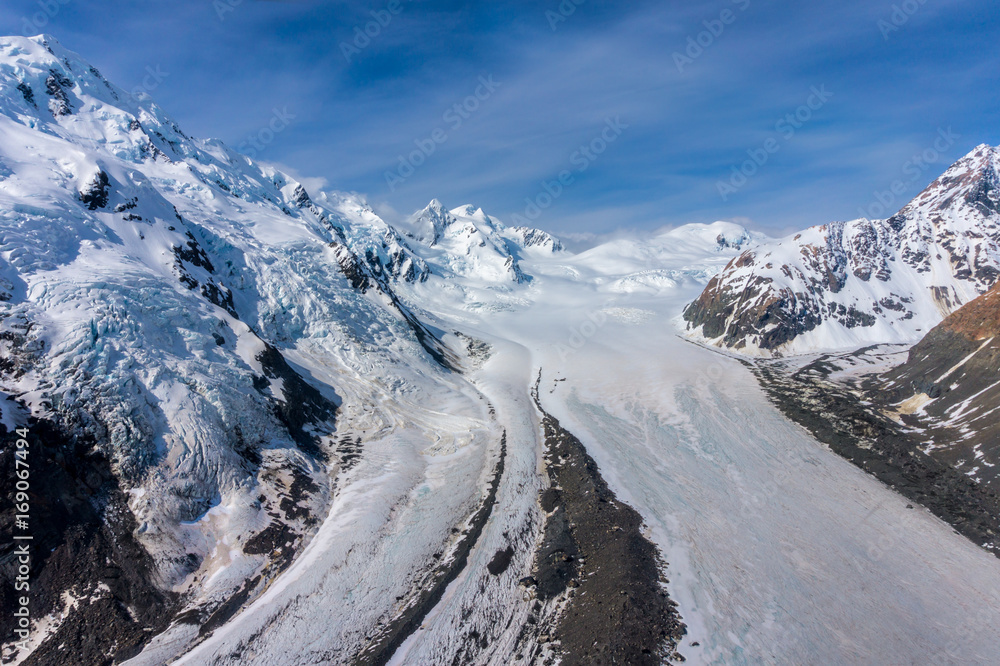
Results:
<point x="778" y="550"/>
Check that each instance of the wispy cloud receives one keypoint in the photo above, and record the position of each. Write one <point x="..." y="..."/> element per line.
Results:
<point x="608" y="59"/>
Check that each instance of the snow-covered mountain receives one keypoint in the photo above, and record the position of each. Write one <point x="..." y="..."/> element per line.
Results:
<point x="267" y="427"/>
<point x="650" y="264"/>
<point x="466" y="242"/>
<point x="847" y="284"/>
<point x="196" y="319"/>
<point x="209" y="349"/>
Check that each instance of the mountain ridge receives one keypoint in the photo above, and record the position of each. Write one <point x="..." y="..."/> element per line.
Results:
<point x="948" y="389"/>
<point x="847" y="284"/>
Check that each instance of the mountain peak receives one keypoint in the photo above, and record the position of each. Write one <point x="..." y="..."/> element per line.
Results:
<point x="429" y="224"/>
<point x="726" y="235"/>
<point x="35" y="45"/>
<point x="970" y="183"/>
<point x="474" y="212"/>
<point x="45" y="85"/>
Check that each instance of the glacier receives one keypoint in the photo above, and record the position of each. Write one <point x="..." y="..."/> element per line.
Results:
<point x="302" y="406"/>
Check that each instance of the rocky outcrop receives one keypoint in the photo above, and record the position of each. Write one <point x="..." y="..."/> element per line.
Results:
<point x="56" y="85"/>
<point x="929" y="427"/>
<point x="95" y="195"/>
<point x="949" y="389"/>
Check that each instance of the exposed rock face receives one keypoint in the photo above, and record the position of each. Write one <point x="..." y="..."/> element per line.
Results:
<point x="86" y="565"/>
<point x="929" y="427"/>
<point x="96" y="194"/>
<point x="949" y="389"/>
<point x="846" y="284"/>
<point x="858" y="418"/>
<point x="56" y="85"/>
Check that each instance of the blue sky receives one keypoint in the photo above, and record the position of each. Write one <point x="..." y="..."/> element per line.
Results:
<point x="892" y="75"/>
